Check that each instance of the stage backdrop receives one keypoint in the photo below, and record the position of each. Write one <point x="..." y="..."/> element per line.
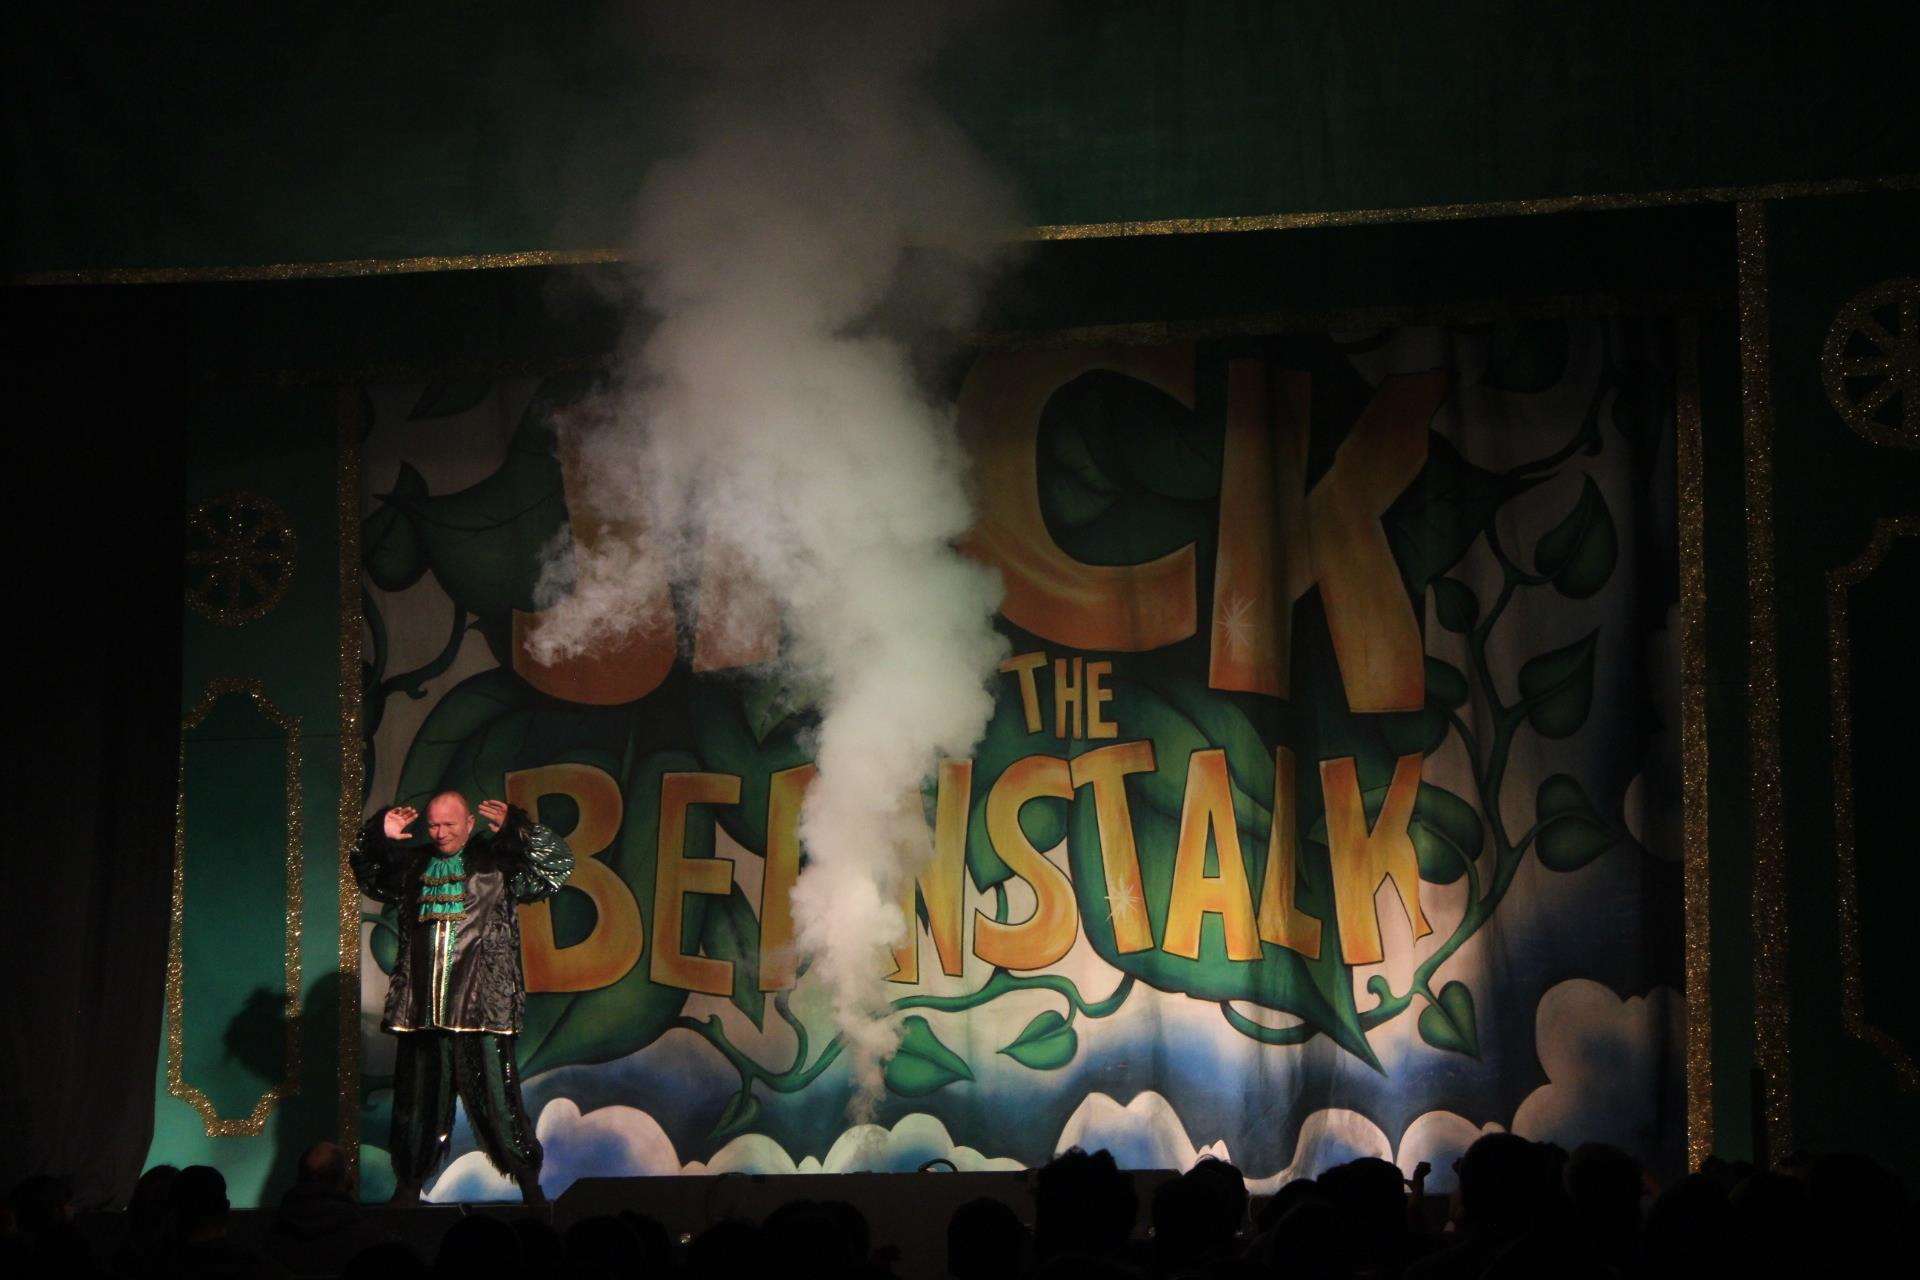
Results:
<point x="1331" y="803"/>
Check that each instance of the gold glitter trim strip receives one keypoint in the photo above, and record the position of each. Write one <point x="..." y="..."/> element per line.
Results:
<point x="1695" y="867"/>
<point x="1048" y="232"/>
<point x="255" y="1121"/>
<point x="352" y="770"/>
<point x="344" y="267"/>
<point x="1584" y="306"/>
<point x="1840" y="584"/>
<point x="1471" y="210"/>
<point x="1772" y="1048"/>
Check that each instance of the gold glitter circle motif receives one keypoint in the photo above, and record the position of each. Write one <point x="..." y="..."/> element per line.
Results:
<point x="1871" y="363"/>
<point x="240" y="556"/>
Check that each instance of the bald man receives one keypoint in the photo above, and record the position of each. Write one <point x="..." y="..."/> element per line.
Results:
<point x="457" y="994"/>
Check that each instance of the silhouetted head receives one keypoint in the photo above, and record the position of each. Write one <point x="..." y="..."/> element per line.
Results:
<point x="478" y="1246"/>
<point x="1604" y="1184"/>
<point x="324" y="1164"/>
<point x="985" y="1241"/>
<point x="1310" y="1242"/>
<point x="41" y="1203"/>
<point x="1083" y="1204"/>
<point x="806" y="1238"/>
<point x="656" y="1246"/>
<point x="1501" y="1184"/>
<point x="199" y="1201"/>
<point x="388" y="1261"/>
<point x="1225" y="1189"/>
<point x="1372" y="1195"/>
<point x="1687" y="1228"/>
<point x="726" y="1249"/>
<point x="601" y="1246"/>
<point x="1269" y="1211"/>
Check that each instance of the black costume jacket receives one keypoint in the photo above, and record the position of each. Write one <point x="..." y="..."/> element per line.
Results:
<point x="462" y="975"/>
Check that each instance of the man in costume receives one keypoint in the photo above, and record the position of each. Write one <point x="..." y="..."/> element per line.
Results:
<point x="457" y="993"/>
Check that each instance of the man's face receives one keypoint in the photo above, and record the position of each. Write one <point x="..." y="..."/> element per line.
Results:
<point x="449" y="823"/>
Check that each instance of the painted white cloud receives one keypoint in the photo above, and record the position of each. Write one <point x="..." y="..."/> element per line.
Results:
<point x="1147" y="1133"/>
<point x="1613" y="1067"/>
<point x="625" y="1142"/>
<point x="1439" y="1138"/>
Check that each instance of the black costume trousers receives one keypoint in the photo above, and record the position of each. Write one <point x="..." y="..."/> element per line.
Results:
<point x="430" y="1069"/>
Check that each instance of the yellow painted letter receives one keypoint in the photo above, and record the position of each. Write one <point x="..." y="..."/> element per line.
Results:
<point x="603" y="957"/>
<point x="1281" y="922"/>
<point x="1362" y="859"/>
<point x="943" y="885"/>
<point x="675" y="876"/>
<point x="1208" y="807"/>
<point x="1049" y="932"/>
<point x="1106" y="770"/>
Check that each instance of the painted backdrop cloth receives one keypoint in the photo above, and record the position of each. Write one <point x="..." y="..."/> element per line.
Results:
<point x="1330" y="805"/>
<point x="463" y="972"/>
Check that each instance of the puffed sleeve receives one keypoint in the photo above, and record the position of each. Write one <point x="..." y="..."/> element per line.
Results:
<point x="379" y="864"/>
<point x="545" y="863"/>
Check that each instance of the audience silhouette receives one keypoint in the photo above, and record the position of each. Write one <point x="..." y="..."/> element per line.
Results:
<point x="1520" y="1209"/>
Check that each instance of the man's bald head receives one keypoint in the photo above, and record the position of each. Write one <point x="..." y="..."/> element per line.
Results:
<point x="324" y="1164"/>
<point x="449" y="821"/>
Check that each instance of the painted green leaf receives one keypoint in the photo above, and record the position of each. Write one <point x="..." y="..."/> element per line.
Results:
<point x="1445" y="684"/>
<point x="385" y="944"/>
<point x="1127" y="473"/>
<point x="1446" y="508"/>
<point x="447" y="396"/>
<point x="1446" y="834"/>
<point x="922" y="1064"/>
<point x="390" y="547"/>
<point x="1557" y="687"/>
<point x="768" y="701"/>
<point x="1449" y="1023"/>
<point x="1046" y="1044"/>
<point x="1526" y="355"/>
<point x="1579" y="552"/>
<point x="740" y="1113"/>
<point x="487" y="543"/>
<point x="1455" y="605"/>
<point x="457" y="719"/>
<point x="1414" y="732"/>
<point x="1571" y="832"/>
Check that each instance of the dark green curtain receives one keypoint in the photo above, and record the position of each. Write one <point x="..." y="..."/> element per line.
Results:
<point x="95" y="394"/>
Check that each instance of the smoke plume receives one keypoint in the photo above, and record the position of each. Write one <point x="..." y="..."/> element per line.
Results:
<point x="822" y="221"/>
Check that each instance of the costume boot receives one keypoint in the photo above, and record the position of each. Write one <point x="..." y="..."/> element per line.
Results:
<point x="406" y="1195"/>
<point x="530" y="1192"/>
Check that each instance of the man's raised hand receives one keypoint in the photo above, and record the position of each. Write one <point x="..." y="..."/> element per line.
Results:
<point x="495" y="812"/>
<point x="399" y="818"/>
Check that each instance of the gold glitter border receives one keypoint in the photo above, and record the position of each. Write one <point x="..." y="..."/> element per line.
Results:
<point x="1580" y="306"/>
<point x="255" y="1121"/>
<point x="352" y="769"/>
<point x="1052" y="232"/>
<point x="1696" y="878"/>
<point x="1772" y="1048"/>
<point x="1840" y="584"/>
<point x="338" y="269"/>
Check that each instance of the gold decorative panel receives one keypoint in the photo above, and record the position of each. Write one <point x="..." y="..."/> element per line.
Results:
<point x="255" y="1121"/>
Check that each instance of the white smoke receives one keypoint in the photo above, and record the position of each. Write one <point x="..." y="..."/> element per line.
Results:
<point x="824" y="218"/>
